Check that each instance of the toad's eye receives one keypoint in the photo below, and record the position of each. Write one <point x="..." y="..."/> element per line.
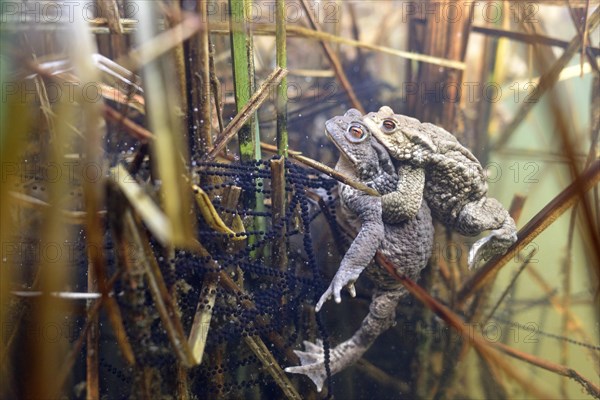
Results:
<point x="388" y="125"/>
<point x="356" y="133"/>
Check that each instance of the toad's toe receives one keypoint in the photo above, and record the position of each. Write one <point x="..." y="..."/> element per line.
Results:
<point x="495" y="243"/>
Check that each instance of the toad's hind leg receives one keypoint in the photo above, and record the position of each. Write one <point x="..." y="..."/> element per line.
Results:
<point x="382" y="312"/>
<point x="482" y="215"/>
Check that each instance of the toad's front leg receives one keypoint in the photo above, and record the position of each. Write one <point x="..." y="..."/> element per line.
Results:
<point x="405" y="201"/>
<point x="363" y="248"/>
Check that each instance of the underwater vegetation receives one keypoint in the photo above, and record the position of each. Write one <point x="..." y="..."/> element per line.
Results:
<point x="171" y="213"/>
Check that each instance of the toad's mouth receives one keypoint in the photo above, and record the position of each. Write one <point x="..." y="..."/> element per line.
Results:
<point x="342" y="150"/>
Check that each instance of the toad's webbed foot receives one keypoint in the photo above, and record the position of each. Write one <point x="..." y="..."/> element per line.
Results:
<point x="486" y="214"/>
<point x="495" y="243"/>
<point x="381" y="316"/>
<point x="312" y="362"/>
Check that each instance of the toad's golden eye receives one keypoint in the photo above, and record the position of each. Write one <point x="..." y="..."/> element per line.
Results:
<point x="388" y="125"/>
<point x="356" y="133"/>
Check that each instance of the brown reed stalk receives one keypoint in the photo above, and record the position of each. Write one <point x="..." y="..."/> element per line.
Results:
<point x="333" y="60"/>
<point x="485" y="349"/>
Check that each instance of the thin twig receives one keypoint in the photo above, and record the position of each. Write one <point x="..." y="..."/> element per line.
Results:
<point x="204" y="134"/>
<point x="588" y="385"/>
<point x="110" y="10"/>
<point x="129" y="126"/>
<point x="271" y="365"/>
<point x="93" y="191"/>
<point x="300" y="31"/>
<point x="324" y="169"/>
<point x="161" y="43"/>
<point x="167" y="310"/>
<point x="203" y="316"/>
<point x="529" y="39"/>
<point x="381" y="377"/>
<point x="215" y="85"/>
<point x="75" y="352"/>
<point x="454" y="321"/>
<point x="333" y="59"/>
<point x="567" y="271"/>
<point x="92" y="339"/>
<point x="574" y="321"/>
<point x="485" y="348"/>
<point x="244" y="115"/>
<point x="510" y="285"/>
<point x="72" y="217"/>
<point x="280" y="259"/>
<point x="154" y="218"/>
<point x="546" y="82"/>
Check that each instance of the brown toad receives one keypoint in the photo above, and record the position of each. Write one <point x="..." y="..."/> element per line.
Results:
<point x="407" y="244"/>
<point x="455" y="185"/>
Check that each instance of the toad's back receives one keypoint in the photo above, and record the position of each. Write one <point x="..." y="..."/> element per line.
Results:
<point x="454" y="177"/>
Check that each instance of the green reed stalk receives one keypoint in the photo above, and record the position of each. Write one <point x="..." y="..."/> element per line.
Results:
<point x="242" y="53"/>
<point x="280" y="38"/>
<point x="243" y="74"/>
